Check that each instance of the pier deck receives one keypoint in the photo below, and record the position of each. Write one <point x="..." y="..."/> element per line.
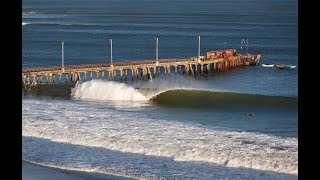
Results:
<point x="133" y="69"/>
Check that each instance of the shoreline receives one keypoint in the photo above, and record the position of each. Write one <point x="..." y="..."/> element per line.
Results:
<point x="31" y="171"/>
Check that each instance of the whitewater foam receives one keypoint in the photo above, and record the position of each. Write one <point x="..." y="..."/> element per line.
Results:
<point x="106" y="91"/>
<point x="137" y="133"/>
<point x="101" y="160"/>
<point x="24" y="23"/>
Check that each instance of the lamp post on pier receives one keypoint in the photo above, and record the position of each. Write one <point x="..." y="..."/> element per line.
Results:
<point x="199" y="49"/>
<point x="157" y="60"/>
<point x="111" y="65"/>
<point x="62" y="56"/>
<point x="247" y="44"/>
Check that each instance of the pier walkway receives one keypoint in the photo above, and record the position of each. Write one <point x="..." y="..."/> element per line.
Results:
<point x="133" y="70"/>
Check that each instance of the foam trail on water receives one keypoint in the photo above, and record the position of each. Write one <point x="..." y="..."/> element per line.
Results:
<point x="106" y="91"/>
<point x="24" y="23"/>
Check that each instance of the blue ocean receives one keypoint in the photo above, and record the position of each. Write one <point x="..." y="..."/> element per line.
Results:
<point x="177" y="127"/>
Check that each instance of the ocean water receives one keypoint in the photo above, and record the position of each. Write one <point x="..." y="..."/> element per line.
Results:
<point x="177" y="127"/>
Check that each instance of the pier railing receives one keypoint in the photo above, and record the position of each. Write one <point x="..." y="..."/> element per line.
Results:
<point x="143" y="69"/>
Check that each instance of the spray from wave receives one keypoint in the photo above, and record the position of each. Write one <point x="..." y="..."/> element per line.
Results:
<point x="106" y="91"/>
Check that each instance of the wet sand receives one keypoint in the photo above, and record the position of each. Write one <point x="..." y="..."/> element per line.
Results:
<point x="36" y="172"/>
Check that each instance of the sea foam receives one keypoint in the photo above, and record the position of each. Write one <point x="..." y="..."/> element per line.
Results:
<point x="87" y="124"/>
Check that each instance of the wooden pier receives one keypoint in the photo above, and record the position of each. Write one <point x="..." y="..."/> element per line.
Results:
<point x="133" y="70"/>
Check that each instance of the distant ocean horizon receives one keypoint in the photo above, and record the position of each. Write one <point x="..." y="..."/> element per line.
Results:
<point x="181" y="127"/>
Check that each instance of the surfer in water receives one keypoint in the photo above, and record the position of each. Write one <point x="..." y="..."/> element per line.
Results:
<point x="250" y="114"/>
<point x="154" y="99"/>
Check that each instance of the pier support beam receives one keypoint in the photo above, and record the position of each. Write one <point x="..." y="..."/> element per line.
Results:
<point x="191" y="69"/>
<point x="23" y="79"/>
<point x="38" y="79"/>
<point x="145" y="73"/>
<point x="223" y="65"/>
<point x="126" y="75"/>
<point x="47" y="79"/>
<point x="114" y="74"/>
<point x="149" y="73"/>
<point x="28" y="79"/>
<point x="142" y="73"/>
<point x="60" y="78"/>
<point x="34" y="80"/>
<point x="132" y="74"/>
<point x="50" y="77"/>
<point x="121" y="74"/>
<point x="72" y="77"/>
<point x="201" y="69"/>
<point x="137" y="73"/>
<point x="98" y="74"/>
<point x="186" y="69"/>
<point x="66" y="75"/>
<point x="154" y="71"/>
<point x="109" y="75"/>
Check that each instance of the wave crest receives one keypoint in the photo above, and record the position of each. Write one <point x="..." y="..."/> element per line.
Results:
<point x="106" y="91"/>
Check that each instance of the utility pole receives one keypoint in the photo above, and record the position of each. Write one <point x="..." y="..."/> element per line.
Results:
<point x="111" y="51"/>
<point x="62" y="56"/>
<point x="247" y="45"/>
<point x="199" y="49"/>
<point x="157" y="62"/>
<point x="242" y="44"/>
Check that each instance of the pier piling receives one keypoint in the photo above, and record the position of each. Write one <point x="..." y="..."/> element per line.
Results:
<point x="138" y="69"/>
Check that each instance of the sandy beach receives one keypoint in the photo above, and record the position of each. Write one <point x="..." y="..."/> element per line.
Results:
<point x="36" y="172"/>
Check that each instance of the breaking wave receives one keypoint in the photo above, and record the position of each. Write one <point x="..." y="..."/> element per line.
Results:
<point x="90" y="125"/>
<point x="106" y="91"/>
<point x="100" y="90"/>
